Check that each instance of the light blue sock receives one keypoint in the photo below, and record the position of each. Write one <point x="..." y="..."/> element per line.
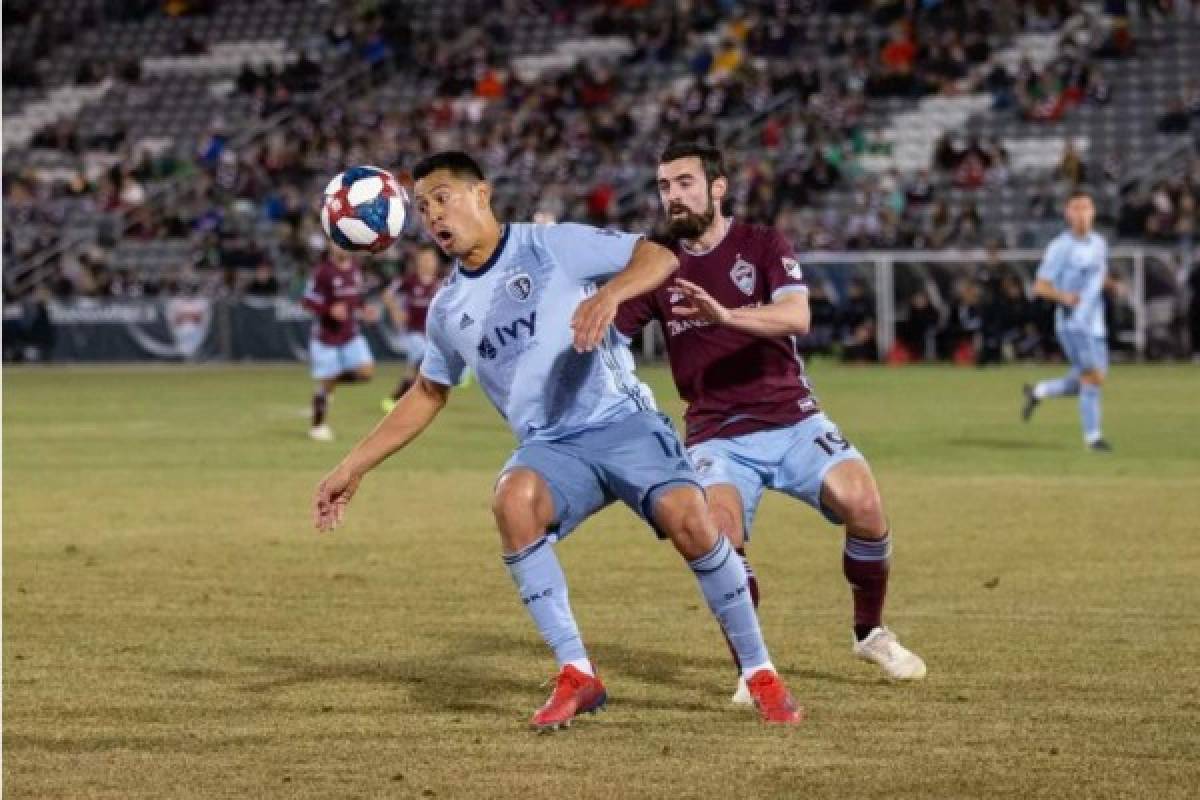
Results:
<point x="723" y="581"/>
<point x="1059" y="387"/>
<point x="543" y="587"/>
<point x="1089" y="411"/>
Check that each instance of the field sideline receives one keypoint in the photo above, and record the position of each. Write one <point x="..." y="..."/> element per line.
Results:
<point x="174" y="628"/>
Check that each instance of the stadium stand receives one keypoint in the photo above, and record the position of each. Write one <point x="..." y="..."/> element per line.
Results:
<point x="850" y="125"/>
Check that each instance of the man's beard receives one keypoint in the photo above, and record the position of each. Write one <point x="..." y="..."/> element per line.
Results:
<point x="689" y="225"/>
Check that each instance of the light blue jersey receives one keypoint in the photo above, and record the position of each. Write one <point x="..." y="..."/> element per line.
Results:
<point x="1078" y="266"/>
<point x="509" y="322"/>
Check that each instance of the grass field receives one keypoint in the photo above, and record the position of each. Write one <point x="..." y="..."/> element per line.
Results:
<point x="174" y="628"/>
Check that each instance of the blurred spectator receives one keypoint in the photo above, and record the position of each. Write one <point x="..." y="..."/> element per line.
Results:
<point x="1193" y="283"/>
<point x="264" y="283"/>
<point x="959" y="337"/>
<point x="917" y="332"/>
<point x="1176" y="119"/>
<point x="1071" y="169"/>
<point x="856" y="324"/>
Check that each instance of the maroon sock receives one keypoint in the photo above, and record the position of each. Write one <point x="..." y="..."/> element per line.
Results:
<point x="752" y="582"/>
<point x="866" y="563"/>
<point x="319" y="405"/>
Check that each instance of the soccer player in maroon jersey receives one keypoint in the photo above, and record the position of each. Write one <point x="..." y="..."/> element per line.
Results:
<point x="407" y="301"/>
<point x="753" y="422"/>
<point x="338" y="352"/>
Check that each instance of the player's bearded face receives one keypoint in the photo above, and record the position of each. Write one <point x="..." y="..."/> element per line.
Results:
<point x="685" y="223"/>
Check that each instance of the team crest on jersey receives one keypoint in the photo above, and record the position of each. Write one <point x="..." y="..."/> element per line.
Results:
<point x="704" y="465"/>
<point x="792" y="267"/>
<point x="674" y="296"/>
<point x="520" y="287"/>
<point x="743" y="275"/>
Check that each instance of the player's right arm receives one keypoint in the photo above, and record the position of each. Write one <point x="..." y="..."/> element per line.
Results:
<point x="317" y="298"/>
<point x="442" y="368"/>
<point x="1045" y="284"/>
<point x="416" y="409"/>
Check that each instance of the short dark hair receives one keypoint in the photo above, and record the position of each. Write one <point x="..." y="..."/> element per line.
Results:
<point x="455" y="162"/>
<point x="710" y="157"/>
<point x="1079" y="191"/>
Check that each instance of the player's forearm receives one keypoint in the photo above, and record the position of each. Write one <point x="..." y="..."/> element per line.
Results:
<point x="416" y="409"/>
<point x="1047" y="291"/>
<point x="648" y="269"/>
<point x="788" y="317"/>
<point x="318" y="308"/>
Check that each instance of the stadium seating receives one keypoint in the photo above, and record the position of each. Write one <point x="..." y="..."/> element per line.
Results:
<point x="147" y="127"/>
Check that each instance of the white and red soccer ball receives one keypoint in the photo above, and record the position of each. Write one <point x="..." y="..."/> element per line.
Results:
<point x="364" y="209"/>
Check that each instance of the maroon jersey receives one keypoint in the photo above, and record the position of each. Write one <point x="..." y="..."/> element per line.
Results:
<point x="416" y="297"/>
<point x="327" y="287"/>
<point x="733" y="382"/>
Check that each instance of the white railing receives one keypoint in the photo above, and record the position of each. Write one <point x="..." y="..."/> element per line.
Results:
<point x="1129" y="263"/>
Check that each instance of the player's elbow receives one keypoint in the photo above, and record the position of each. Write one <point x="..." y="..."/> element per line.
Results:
<point x="801" y="323"/>
<point x="797" y="314"/>
<point x="661" y="256"/>
<point x="434" y="393"/>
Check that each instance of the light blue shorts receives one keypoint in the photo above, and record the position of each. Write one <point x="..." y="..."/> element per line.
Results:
<point x="633" y="460"/>
<point x="1086" y="352"/>
<point x="328" y="361"/>
<point x="793" y="460"/>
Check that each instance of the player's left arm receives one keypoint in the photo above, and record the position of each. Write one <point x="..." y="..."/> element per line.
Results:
<point x="785" y="310"/>
<point x="649" y="266"/>
<point x="787" y="314"/>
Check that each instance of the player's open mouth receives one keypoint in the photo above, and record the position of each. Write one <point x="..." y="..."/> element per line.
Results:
<point x="444" y="238"/>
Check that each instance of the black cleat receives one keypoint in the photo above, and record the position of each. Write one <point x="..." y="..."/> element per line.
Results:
<point x="1031" y="403"/>
<point x="1100" y="446"/>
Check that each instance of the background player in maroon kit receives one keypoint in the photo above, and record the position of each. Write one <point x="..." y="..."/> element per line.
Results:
<point x="338" y="352"/>
<point x="753" y="422"/>
<point x="407" y="301"/>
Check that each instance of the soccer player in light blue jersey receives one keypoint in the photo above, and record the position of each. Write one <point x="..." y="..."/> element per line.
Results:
<point x="1073" y="275"/>
<point x="529" y="310"/>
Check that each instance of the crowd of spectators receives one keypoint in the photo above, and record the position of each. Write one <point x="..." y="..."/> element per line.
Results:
<point x="587" y="134"/>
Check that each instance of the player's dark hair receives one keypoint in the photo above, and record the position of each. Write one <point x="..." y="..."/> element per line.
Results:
<point x="710" y="157"/>
<point x="1080" y="191"/>
<point x="456" y="162"/>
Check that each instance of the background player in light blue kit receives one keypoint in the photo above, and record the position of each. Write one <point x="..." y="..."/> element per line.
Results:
<point x="1073" y="275"/>
<point x="587" y="429"/>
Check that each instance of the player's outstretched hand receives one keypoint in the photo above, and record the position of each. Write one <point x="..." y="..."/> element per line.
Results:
<point x="592" y="319"/>
<point x="701" y="305"/>
<point x="332" y="496"/>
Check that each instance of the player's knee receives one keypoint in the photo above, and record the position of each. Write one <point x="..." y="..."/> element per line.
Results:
<point x="518" y="504"/>
<point x="1092" y="378"/>
<point x="861" y="508"/>
<point x="366" y="372"/>
<point x="868" y="512"/>
<point x="683" y="516"/>
<point x="728" y="523"/>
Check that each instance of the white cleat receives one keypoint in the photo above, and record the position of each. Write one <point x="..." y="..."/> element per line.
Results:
<point x="320" y="433"/>
<point x="882" y="648"/>
<point x="742" y="696"/>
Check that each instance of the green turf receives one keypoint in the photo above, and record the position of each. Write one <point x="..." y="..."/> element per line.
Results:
<point x="174" y="628"/>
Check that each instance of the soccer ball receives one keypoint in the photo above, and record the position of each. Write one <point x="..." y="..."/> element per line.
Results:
<point x="364" y="209"/>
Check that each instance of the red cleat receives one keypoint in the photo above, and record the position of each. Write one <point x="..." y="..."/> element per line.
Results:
<point x="575" y="693"/>
<point x="774" y="702"/>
